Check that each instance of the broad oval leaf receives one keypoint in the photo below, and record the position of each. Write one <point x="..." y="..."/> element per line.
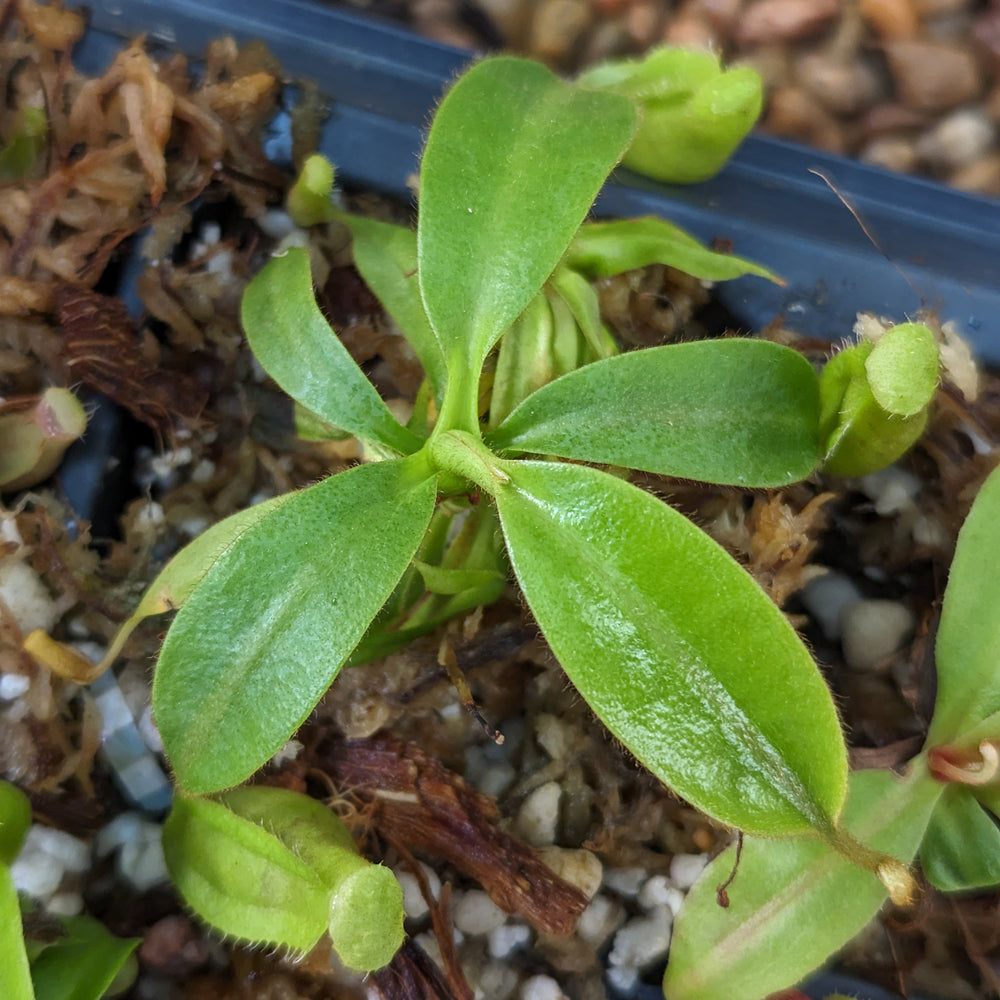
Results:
<point x="967" y="649"/>
<point x="240" y="878"/>
<point x="15" y="979"/>
<point x="297" y="348"/>
<point x="961" y="848"/>
<point x="735" y="411"/>
<point x="265" y="632"/>
<point x="794" y="901"/>
<point x="386" y="257"/>
<point x="603" y="249"/>
<point x="676" y="648"/>
<point x="514" y="160"/>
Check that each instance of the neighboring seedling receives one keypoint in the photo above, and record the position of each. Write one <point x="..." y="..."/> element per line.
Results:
<point x="794" y="902"/>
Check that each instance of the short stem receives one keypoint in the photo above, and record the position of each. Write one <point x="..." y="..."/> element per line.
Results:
<point x="460" y="406"/>
<point x="465" y="455"/>
<point x="891" y="872"/>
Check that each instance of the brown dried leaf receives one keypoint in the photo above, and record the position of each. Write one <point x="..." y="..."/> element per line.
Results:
<point x="104" y="352"/>
<point x="420" y="803"/>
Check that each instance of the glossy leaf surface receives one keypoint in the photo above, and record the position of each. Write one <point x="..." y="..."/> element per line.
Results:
<point x="902" y="369"/>
<point x="724" y="411"/>
<point x="262" y="637"/>
<point x="514" y="160"/>
<point x="297" y="348"/>
<point x="603" y="249"/>
<point x="676" y="648"/>
<point x="794" y="901"/>
<point x="15" y="979"/>
<point x="386" y="257"/>
<point x="240" y="878"/>
<point x="967" y="649"/>
<point x="961" y="849"/>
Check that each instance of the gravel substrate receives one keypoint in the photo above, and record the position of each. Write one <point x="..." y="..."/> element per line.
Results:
<point x="909" y="85"/>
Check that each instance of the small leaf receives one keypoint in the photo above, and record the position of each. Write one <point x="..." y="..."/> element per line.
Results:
<point x="578" y="293"/>
<point x="15" y="979"/>
<point x="26" y="143"/>
<point x="722" y="411"/>
<point x="694" y="114"/>
<point x="309" y="199"/>
<point x="265" y="632"/>
<point x="514" y="160"/>
<point x="15" y="821"/>
<point x="603" y="249"/>
<point x="902" y="369"/>
<point x="365" y="918"/>
<point x="240" y="878"/>
<point x="82" y="964"/>
<point x="961" y="848"/>
<point x="639" y="606"/>
<point x="454" y="581"/>
<point x="967" y="648"/>
<point x="305" y="357"/>
<point x="386" y="257"/>
<point x="857" y="435"/>
<point x="793" y="902"/>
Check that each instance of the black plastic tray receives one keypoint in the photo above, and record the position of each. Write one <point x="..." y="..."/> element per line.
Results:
<point x="384" y="82"/>
<point x="937" y="248"/>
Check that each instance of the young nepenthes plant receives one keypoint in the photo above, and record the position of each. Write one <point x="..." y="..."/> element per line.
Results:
<point x="668" y="639"/>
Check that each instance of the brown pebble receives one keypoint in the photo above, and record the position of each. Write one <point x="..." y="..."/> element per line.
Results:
<point x="981" y="177"/>
<point x="958" y="140"/>
<point x="785" y="20"/>
<point x="891" y="19"/>
<point x="690" y="31"/>
<point x="608" y="8"/>
<point x="510" y="17"/>
<point x="933" y="76"/>
<point x="890" y="116"/>
<point x="643" y="22"/>
<point x="844" y="87"/>
<point x="793" y="113"/>
<point x="986" y="32"/>
<point x="891" y="152"/>
<point x="556" y="28"/>
<point x="174" y="947"/>
<point x="723" y="15"/>
<point x="608" y="39"/>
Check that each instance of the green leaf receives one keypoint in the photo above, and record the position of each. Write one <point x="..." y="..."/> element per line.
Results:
<point x="639" y="606"/>
<point x="240" y="878"/>
<point x="902" y="369"/>
<point x="305" y="357"/>
<point x="602" y="249"/>
<point x="365" y="918"/>
<point x="265" y="632"/>
<point x="15" y="820"/>
<point x="794" y="901"/>
<point x="723" y="411"/>
<point x="26" y="144"/>
<point x="694" y="114"/>
<point x="455" y="581"/>
<point x="524" y="360"/>
<point x="15" y="979"/>
<point x="514" y="160"/>
<point x="83" y="963"/>
<point x="577" y="292"/>
<point x="308" y="200"/>
<point x="967" y="649"/>
<point x="961" y="848"/>
<point x="386" y="257"/>
<point x="857" y="435"/>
